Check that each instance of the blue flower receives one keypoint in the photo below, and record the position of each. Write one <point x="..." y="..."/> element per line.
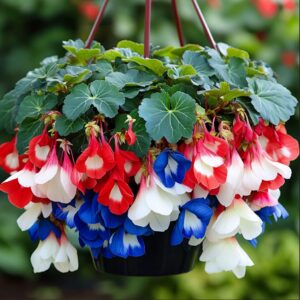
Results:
<point x="192" y="221"/>
<point x="277" y="211"/>
<point x="66" y="212"/>
<point x="171" y="167"/>
<point x="123" y="244"/>
<point x="89" y="211"/>
<point x="41" y="230"/>
<point x="131" y="228"/>
<point x="111" y="220"/>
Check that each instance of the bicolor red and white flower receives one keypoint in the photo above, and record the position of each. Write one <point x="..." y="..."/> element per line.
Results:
<point x="10" y="161"/>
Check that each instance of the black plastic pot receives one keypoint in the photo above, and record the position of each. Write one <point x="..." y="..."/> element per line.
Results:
<point x="160" y="259"/>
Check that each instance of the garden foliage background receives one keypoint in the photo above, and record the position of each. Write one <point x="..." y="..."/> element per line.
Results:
<point x="269" y="30"/>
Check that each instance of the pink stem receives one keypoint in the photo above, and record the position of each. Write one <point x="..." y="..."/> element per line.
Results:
<point x="96" y="25"/>
<point x="204" y="25"/>
<point x="178" y="23"/>
<point x="148" y="8"/>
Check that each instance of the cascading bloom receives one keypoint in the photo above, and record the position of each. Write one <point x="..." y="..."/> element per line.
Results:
<point x="225" y="255"/>
<point x="209" y="158"/>
<point x="154" y="206"/>
<point x="10" y="161"/>
<point x="39" y="149"/>
<point x="237" y="218"/>
<point x="57" y="251"/>
<point x="53" y="181"/>
<point x="97" y="159"/>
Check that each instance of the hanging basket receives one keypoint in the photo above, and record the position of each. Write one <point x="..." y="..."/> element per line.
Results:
<point x="147" y="153"/>
<point x="160" y="258"/>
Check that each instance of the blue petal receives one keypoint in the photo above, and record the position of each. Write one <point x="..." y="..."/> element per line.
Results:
<point x="111" y="220"/>
<point x="280" y="212"/>
<point x="88" y="212"/>
<point x="182" y="160"/>
<point x="177" y="235"/>
<point x="124" y="245"/>
<point x="193" y="226"/>
<point x="200" y="207"/>
<point x="134" y="229"/>
<point x="45" y="228"/>
<point x="34" y="231"/>
<point x="253" y="242"/>
<point x="161" y="161"/>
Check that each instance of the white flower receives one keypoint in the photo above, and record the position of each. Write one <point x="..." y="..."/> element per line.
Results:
<point x="154" y="206"/>
<point x="31" y="214"/>
<point x="237" y="218"/>
<point x="225" y="255"/>
<point x="61" y="253"/>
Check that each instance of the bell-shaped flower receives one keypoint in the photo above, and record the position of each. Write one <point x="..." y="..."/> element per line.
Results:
<point x="39" y="149"/>
<point x="235" y="170"/>
<point x="209" y="161"/>
<point x="237" y="218"/>
<point x="54" y="181"/>
<point x="192" y="222"/>
<point x="115" y="193"/>
<point x="66" y="212"/>
<point x="59" y="252"/>
<point x="265" y="198"/>
<point x="277" y="143"/>
<point x="96" y="160"/>
<point x="66" y="259"/>
<point x="155" y="207"/>
<point x="277" y="212"/>
<point x="171" y="167"/>
<point x="9" y="158"/>
<point x="18" y="186"/>
<point x="32" y="213"/>
<point x="82" y="181"/>
<point x="127" y="162"/>
<point x="123" y="244"/>
<point x="225" y="255"/>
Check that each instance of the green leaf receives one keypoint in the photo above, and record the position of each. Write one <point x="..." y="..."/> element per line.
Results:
<point x="102" y="95"/>
<point x="83" y="55"/>
<point x="237" y="72"/>
<point x="172" y="117"/>
<point x="111" y="55"/>
<point x="27" y="130"/>
<point x="188" y="47"/>
<point x="102" y="66"/>
<point x="184" y="71"/>
<point x="138" y="48"/>
<point x="154" y="65"/>
<point x="65" y="126"/>
<point x="143" y="140"/>
<point x="75" y="75"/>
<point x="272" y="100"/>
<point x="234" y="72"/>
<point x="224" y="93"/>
<point x="8" y="111"/>
<point x="198" y="61"/>
<point x="235" y="52"/>
<point x="33" y="106"/>
<point x="131" y="78"/>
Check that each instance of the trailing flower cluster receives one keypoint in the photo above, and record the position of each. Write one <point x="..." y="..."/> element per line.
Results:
<point x="186" y="159"/>
<point x="214" y="186"/>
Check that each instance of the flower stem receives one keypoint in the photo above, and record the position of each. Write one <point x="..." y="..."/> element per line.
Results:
<point x="204" y="25"/>
<point x="148" y="8"/>
<point x="178" y="23"/>
<point x="96" y="25"/>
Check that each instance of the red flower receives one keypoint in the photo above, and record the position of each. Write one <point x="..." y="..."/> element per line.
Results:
<point x="89" y="9"/>
<point x="129" y="134"/>
<point x="115" y="193"/>
<point x="289" y="58"/>
<point x="39" y="149"/>
<point x="96" y="160"/>
<point x="289" y="5"/>
<point x="267" y="8"/>
<point x="9" y="158"/>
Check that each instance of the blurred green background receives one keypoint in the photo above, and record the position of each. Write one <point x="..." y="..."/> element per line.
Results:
<point x="33" y="29"/>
